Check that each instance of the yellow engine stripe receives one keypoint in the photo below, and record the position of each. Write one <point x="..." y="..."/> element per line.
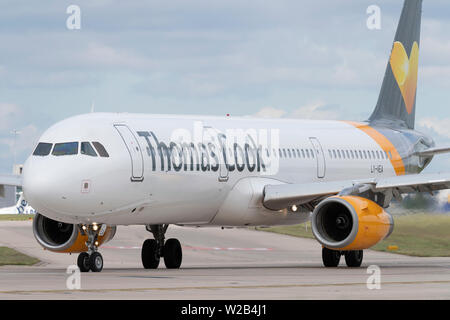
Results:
<point x="385" y="144"/>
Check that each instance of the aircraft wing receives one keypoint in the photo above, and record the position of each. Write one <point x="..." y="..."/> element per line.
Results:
<point x="10" y="180"/>
<point x="277" y="197"/>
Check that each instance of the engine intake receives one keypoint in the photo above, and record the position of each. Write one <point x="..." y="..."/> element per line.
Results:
<point x="63" y="237"/>
<point x="350" y="223"/>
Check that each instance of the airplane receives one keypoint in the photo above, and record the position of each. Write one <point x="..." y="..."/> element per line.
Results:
<point x="21" y="207"/>
<point x="91" y="173"/>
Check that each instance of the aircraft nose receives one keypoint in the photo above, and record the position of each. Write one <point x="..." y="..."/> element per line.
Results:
<point x="46" y="185"/>
<point x="36" y="184"/>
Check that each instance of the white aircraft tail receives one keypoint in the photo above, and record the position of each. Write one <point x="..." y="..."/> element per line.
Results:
<point x="21" y="207"/>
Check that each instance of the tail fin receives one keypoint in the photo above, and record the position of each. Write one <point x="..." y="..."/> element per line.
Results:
<point x="396" y="104"/>
<point x="20" y="201"/>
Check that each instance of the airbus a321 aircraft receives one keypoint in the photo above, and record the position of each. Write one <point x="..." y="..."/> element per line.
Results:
<point x="91" y="173"/>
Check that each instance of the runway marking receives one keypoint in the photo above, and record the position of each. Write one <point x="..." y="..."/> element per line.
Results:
<point x="227" y="249"/>
<point x="220" y="287"/>
<point x="194" y="248"/>
<point x="121" y="247"/>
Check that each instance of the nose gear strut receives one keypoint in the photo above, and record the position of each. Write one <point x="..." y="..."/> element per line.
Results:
<point x="92" y="259"/>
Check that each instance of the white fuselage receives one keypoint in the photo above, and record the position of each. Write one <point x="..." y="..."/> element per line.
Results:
<point x="195" y="180"/>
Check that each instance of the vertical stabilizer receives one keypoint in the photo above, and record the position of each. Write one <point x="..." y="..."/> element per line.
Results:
<point x="396" y="104"/>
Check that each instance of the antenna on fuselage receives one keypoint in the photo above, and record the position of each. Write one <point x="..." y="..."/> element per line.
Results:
<point x="92" y="107"/>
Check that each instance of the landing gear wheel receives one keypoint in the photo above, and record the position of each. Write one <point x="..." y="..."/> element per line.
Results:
<point x="83" y="262"/>
<point x="173" y="254"/>
<point x="330" y="257"/>
<point x="149" y="254"/>
<point x="96" y="262"/>
<point x="354" y="258"/>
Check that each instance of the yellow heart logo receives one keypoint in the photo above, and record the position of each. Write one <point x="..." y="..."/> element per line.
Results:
<point x="405" y="72"/>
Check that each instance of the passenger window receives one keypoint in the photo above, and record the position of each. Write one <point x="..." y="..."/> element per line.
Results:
<point x="43" y="149"/>
<point x="289" y="152"/>
<point x="87" y="149"/>
<point x="303" y="154"/>
<point x="307" y="153"/>
<point x="100" y="149"/>
<point x="65" y="149"/>
<point x="284" y="153"/>
<point x="334" y="154"/>
<point x="329" y="152"/>
<point x="298" y="153"/>
<point x="312" y="153"/>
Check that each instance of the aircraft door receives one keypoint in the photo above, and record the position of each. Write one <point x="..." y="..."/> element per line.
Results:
<point x="320" y="157"/>
<point x="135" y="151"/>
<point x="215" y="137"/>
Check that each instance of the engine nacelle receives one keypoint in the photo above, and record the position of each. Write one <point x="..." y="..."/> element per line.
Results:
<point x="64" y="237"/>
<point x="350" y="223"/>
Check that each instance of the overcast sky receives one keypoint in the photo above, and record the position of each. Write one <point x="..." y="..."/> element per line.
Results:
<point x="305" y="59"/>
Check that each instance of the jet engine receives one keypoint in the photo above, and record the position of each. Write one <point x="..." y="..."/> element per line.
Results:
<point x="67" y="238"/>
<point x="350" y="223"/>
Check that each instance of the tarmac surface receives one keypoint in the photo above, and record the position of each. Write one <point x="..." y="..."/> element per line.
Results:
<point x="230" y="264"/>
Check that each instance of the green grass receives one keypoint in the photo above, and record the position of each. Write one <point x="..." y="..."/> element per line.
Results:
<point x="10" y="256"/>
<point x="16" y="217"/>
<point x="422" y="235"/>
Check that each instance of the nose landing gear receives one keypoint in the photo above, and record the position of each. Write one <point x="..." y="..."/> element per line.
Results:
<point x="154" y="249"/>
<point x="91" y="260"/>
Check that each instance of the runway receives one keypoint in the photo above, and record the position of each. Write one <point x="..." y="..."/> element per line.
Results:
<point x="232" y="264"/>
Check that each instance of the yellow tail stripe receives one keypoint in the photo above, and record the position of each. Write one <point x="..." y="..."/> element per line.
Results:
<point x="385" y="144"/>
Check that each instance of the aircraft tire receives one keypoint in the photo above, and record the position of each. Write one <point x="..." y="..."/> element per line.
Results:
<point x="330" y="258"/>
<point x="83" y="262"/>
<point x="173" y="254"/>
<point x="150" y="259"/>
<point x="96" y="262"/>
<point x="354" y="258"/>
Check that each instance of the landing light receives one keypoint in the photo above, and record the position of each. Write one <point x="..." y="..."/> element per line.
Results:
<point x="294" y="208"/>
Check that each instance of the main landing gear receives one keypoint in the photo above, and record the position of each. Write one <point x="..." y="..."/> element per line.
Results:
<point x="331" y="258"/>
<point x="91" y="260"/>
<point x="154" y="249"/>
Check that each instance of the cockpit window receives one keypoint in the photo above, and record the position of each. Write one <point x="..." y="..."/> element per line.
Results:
<point x="43" y="149"/>
<point x="101" y="149"/>
<point x="65" y="149"/>
<point x="87" y="149"/>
